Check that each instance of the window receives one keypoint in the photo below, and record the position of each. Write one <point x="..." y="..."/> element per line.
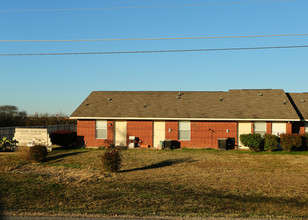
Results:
<point x="101" y="129"/>
<point x="306" y="127"/>
<point x="184" y="130"/>
<point x="260" y="128"/>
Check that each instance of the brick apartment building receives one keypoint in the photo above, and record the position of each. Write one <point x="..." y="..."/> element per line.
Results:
<point x="195" y="119"/>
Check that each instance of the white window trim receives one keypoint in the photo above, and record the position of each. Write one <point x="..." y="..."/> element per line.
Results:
<point x="104" y="127"/>
<point x="189" y="129"/>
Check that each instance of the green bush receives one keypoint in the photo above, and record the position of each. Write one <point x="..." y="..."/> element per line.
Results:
<point x="255" y="142"/>
<point x="112" y="160"/>
<point x="36" y="153"/>
<point x="271" y="142"/>
<point x="291" y="142"/>
<point x="304" y="141"/>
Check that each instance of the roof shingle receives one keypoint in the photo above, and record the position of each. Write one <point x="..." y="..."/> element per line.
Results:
<point x="301" y="102"/>
<point x="235" y="104"/>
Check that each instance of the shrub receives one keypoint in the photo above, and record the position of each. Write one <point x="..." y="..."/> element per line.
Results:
<point x="304" y="141"/>
<point x="271" y="142"/>
<point x="66" y="139"/>
<point x="117" y="147"/>
<point x="255" y="142"/>
<point x="291" y="142"/>
<point x="7" y="144"/>
<point x="36" y="153"/>
<point x="112" y="160"/>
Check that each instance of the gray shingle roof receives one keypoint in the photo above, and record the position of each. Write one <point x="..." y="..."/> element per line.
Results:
<point x="235" y="104"/>
<point x="301" y="102"/>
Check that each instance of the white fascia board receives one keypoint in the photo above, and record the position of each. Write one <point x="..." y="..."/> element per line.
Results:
<point x="181" y="119"/>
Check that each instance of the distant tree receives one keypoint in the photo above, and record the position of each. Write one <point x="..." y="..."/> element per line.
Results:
<point x="11" y="116"/>
<point x="8" y="109"/>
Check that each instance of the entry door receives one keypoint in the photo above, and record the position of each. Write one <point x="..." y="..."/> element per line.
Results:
<point x="158" y="133"/>
<point x="279" y="128"/>
<point x="243" y="128"/>
<point x="120" y="132"/>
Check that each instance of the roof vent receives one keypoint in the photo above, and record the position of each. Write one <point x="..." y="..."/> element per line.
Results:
<point x="87" y="104"/>
<point x="109" y="99"/>
<point x="145" y="105"/>
<point x="260" y="94"/>
<point x="179" y="95"/>
<point x="221" y="99"/>
<point x="303" y="100"/>
<point x="284" y="102"/>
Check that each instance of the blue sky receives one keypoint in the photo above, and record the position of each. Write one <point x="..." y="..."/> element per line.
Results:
<point x="50" y="84"/>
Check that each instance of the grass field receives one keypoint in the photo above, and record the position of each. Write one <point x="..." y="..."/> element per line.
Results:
<point x="159" y="183"/>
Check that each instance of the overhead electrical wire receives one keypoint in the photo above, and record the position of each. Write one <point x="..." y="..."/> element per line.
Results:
<point x="152" y="6"/>
<point x="164" y="38"/>
<point x="156" y="51"/>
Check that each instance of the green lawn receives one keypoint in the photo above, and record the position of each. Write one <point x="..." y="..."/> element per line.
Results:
<point x="159" y="183"/>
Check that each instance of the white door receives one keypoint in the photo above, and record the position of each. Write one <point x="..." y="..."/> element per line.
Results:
<point x="279" y="128"/>
<point x="306" y="127"/>
<point x="158" y="133"/>
<point x="243" y="128"/>
<point x="120" y="133"/>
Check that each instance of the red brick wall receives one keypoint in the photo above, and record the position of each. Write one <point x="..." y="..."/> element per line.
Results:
<point x="173" y="134"/>
<point x="201" y="136"/>
<point x="252" y="127"/>
<point x="86" y="129"/>
<point x="289" y="128"/>
<point x="302" y="128"/>
<point x="141" y="129"/>
<point x="268" y="127"/>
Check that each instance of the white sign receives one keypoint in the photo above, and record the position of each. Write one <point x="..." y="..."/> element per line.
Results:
<point x="32" y="135"/>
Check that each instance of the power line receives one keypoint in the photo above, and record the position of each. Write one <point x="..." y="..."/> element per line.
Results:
<point x="156" y="51"/>
<point x="153" y="6"/>
<point x="165" y="38"/>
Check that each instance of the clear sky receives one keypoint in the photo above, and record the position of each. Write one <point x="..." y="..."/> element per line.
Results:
<point x="53" y="84"/>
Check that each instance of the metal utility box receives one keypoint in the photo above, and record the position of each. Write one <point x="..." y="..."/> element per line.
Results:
<point x="171" y="144"/>
<point x="222" y="143"/>
<point x="230" y="143"/>
<point x="226" y="143"/>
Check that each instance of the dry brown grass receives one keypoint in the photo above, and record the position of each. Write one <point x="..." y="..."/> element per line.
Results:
<point x="165" y="183"/>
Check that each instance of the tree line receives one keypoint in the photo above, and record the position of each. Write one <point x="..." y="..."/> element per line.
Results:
<point x="10" y="116"/>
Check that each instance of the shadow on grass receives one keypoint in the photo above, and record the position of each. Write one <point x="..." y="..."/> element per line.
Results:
<point x="165" y="163"/>
<point x="60" y="156"/>
<point x="185" y="200"/>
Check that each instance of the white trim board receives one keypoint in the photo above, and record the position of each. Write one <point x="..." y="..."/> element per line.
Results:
<point x="186" y="119"/>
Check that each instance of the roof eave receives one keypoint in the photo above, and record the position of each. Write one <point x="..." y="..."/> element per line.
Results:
<point x="184" y="119"/>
